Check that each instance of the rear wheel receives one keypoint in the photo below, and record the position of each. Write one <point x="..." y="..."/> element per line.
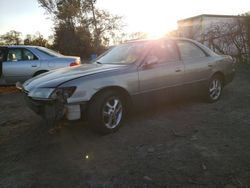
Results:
<point x="106" y="112"/>
<point x="214" y="89"/>
<point x="39" y="72"/>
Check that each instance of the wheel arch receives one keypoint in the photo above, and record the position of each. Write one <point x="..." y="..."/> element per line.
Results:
<point x="221" y="75"/>
<point x="120" y="90"/>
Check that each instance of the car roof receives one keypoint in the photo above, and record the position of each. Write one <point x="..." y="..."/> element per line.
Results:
<point x="19" y="46"/>
<point x="206" y="49"/>
<point x="156" y="39"/>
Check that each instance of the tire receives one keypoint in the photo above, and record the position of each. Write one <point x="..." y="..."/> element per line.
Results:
<point x="214" y="89"/>
<point x="106" y="112"/>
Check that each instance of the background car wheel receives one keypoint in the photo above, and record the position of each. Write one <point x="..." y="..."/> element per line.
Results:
<point x="106" y="112"/>
<point x="214" y="89"/>
<point x="39" y="72"/>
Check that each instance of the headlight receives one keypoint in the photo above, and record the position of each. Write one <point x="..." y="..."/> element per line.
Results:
<point x="41" y="93"/>
<point x="62" y="93"/>
<point x="52" y="93"/>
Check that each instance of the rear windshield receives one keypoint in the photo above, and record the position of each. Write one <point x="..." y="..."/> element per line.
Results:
<point x="48" y="52"/>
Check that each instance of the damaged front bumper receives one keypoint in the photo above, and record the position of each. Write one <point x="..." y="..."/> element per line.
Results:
<point x="56" y="109"/>
<point x="48" y="109"/>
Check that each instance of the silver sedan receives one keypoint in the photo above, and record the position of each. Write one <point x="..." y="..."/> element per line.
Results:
<point x="19" y="63"/>
<point x="130" y="74"/>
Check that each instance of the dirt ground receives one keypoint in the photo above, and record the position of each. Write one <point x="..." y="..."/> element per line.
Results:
<point x="185" y="144"/>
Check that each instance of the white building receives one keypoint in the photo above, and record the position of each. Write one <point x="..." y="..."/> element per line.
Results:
<point x="215" y="31"/>
<point x="195" y="27"/>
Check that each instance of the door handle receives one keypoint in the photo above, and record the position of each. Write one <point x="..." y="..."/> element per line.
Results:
<point x="210" y="65"/>
<point x="177" y="70"/>
<point x="33" y="66"/>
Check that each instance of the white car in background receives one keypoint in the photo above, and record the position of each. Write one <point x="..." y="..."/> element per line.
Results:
<point x="19" y="62"/>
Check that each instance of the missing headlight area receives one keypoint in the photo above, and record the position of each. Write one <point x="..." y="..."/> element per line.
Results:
<point x="56" y="111"/>
<point x="54" y="106"/>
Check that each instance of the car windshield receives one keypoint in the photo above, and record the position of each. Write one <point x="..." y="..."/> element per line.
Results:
<point x="49" y="52"/>
<point x="123" y="54"/>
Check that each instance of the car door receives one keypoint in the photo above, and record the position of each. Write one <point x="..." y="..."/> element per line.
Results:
<point x="198" y="65"/>
<point x="159" y="79"/>
<point x="3" y="54"/>
<point x="20" y="65"/>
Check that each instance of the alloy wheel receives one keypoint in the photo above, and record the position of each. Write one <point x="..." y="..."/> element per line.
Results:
<point x="215" y="89"/>
<point x="112" y="112"/>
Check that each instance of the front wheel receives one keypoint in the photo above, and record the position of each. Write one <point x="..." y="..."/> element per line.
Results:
<point x="214" y="89"/>
<point x="106" y="112"/>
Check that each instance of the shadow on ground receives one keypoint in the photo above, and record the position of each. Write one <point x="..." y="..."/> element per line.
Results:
<point x="182" y="144"/>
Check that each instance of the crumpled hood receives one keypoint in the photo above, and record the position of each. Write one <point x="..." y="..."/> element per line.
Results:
<point x="56" y="77"/>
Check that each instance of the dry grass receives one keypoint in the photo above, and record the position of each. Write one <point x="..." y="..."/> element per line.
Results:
<point x="8" y="89"/>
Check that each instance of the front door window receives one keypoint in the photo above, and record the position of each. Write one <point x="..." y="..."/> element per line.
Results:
<point x="18" y="54"/>
<point x="14" y="55"/>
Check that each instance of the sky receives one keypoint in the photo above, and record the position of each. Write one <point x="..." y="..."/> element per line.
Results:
<point x="155" y="17"/>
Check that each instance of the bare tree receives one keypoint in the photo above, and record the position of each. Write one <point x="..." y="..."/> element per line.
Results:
<point x="37" y="40"/>
<point x="81" y="19"/>
<point x="246" y="23"/>
<point x="11" y="38"/>
<point x="227" y="38"/>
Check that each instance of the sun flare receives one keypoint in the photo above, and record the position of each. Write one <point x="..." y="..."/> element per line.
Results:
<point x="152" y="19"/>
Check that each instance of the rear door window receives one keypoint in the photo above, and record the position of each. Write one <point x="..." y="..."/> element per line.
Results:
<point x="28" y="55"/>
<point x="48" y="52"/>
<point x="165" y="51"/>
<point x="189" y="50"/>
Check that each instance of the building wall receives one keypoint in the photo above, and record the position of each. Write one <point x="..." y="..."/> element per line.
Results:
<point x="200" y="25"/>
<point x="209" y="30"/>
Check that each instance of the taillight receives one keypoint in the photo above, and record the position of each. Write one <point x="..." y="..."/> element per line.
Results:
<point x="75" y="63"/>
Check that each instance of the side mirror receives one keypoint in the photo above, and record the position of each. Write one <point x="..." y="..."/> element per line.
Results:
<point x="151" y="60"/>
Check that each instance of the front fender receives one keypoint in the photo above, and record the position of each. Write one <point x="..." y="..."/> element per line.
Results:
<point x="88" y="87"/>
